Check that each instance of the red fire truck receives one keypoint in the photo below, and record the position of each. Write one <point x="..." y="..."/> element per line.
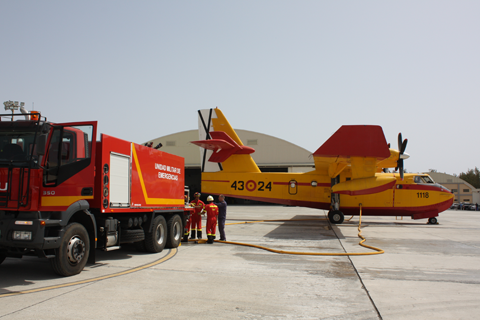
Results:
<point x="64" y="194"/>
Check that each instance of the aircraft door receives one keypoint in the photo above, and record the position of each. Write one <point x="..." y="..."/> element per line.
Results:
<point x="292" y="187"/>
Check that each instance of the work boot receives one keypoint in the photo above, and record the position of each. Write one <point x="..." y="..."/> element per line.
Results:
<point x="185" y="238"/>
<point x="210" y="239"/>
<point x="193" y="234"/>
<point x="199" y="234"/>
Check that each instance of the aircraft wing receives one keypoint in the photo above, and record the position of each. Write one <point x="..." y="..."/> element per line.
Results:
<point x="359" y="147"/>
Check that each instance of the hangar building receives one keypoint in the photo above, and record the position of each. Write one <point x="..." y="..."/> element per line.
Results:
<point x="462" y="190"/>
<point x="271" y="154"/>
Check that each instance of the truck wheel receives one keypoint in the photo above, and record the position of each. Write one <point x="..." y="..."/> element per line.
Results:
<point x="175" y="231"/>
<point x="336" y="216"/>
<point x="72" y="255"/>
<point x="156" y="240"/>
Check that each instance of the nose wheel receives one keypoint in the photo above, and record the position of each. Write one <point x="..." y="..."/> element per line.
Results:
<point x="432" y="220"/>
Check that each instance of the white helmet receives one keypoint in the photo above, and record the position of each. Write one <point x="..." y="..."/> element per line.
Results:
<point x="209" y="198"/>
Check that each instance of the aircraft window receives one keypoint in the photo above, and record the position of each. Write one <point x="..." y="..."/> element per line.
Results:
<point x="427" y="179"/>
<point x="423" y="179"/>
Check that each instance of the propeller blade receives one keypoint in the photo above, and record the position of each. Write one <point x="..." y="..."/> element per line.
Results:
<point x="404" y="146"/>
<point x="400" y="167"/>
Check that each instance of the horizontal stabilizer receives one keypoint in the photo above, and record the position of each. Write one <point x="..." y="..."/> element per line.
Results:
<point x="356" y="141"/>
<point x="223" y="146"/>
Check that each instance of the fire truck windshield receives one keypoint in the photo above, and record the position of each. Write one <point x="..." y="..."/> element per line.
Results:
<point x="17" y="143"/>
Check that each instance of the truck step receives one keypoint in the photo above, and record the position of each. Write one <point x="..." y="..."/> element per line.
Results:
<point x="112" y="248"/>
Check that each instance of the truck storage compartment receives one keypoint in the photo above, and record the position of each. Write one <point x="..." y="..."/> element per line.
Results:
<point x="119" y="180"/>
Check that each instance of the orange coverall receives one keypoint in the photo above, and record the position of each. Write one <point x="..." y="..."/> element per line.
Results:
<point x="195" y="222"/>
<point x="212" y="213"/>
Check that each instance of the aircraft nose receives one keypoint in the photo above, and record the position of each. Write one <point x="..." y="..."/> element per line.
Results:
<point x="404" y="156"/>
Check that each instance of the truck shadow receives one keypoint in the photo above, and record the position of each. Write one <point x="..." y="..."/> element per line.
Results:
<point x="31" y="270"/>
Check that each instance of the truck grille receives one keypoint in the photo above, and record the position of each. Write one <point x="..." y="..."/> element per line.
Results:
<point x="3" y="199"/>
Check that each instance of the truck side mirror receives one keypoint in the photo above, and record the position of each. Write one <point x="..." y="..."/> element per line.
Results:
<point x="41" y="142"/>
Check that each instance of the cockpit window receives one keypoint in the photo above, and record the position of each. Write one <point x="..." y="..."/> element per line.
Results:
<point x="423" y="179"/>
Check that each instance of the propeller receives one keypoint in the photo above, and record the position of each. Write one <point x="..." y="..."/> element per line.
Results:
<point x="402" y="145"/>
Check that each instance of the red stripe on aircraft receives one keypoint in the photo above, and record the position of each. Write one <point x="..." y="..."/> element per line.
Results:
<point x="217" y="180"/>
<point x="421" y="187"/>
<point x="303" y="184"/>
<point x="368" y="191"/>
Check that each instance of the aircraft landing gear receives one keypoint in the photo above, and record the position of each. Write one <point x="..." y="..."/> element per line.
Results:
<point x="336" y="216"/>
<point x="432" y="220"/>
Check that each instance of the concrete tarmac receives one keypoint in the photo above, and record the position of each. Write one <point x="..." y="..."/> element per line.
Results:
<point x="426" y="272"/>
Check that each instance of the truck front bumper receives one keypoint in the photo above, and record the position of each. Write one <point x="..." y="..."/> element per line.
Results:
<point x="20" y="232"/>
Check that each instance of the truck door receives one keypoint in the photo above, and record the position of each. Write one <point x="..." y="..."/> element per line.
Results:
<point x="69" y="164"/>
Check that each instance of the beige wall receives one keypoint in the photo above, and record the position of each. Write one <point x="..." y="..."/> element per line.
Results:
<point x="463" y="191"/>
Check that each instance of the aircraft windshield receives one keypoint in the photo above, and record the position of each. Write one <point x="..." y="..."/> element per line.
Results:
<point x="423" y="179"/>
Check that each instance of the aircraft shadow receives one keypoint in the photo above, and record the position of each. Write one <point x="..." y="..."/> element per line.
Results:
<point x="304" y="227"/>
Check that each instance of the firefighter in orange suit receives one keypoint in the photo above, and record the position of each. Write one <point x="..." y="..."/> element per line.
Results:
<point x="196" y="218"/>
<point x="212" y="213"/>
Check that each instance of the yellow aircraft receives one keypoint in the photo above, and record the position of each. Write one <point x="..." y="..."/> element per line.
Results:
<point x="349" y="173"/>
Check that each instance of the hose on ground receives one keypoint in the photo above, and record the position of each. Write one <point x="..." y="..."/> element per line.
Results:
<point x="361" y="243"/>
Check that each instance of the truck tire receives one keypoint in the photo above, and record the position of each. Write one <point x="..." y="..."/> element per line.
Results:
<point x="336" y="216"/>
<point x="131" y="236"/>
<point x="174" y="231"/>
<point x="72" y="255"/>
<point x="157" y="239"/>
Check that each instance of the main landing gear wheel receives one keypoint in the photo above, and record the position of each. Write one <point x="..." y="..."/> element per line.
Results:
<point x="432" y="220"/>
<point x="156" y="240"/>
<point x="336" y="216"/>
<point x="72" y="255"/>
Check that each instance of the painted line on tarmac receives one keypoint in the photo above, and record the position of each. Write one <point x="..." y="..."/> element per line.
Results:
<point x="170" y="255"/>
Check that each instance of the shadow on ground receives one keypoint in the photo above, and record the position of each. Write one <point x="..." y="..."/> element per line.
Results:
<point x="31" y="269"/>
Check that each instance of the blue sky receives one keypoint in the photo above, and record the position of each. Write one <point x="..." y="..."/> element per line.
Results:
<point x="296" y="70"/>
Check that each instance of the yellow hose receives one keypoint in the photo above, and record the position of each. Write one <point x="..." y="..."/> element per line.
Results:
<point x="377" y="250"/>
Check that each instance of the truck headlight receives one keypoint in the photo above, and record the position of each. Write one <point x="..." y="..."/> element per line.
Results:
<point x="22" y="235"/>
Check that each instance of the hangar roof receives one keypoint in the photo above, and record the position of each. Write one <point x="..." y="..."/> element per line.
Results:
<point x="269" y="151"/>
<point x="444" y="178"/>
